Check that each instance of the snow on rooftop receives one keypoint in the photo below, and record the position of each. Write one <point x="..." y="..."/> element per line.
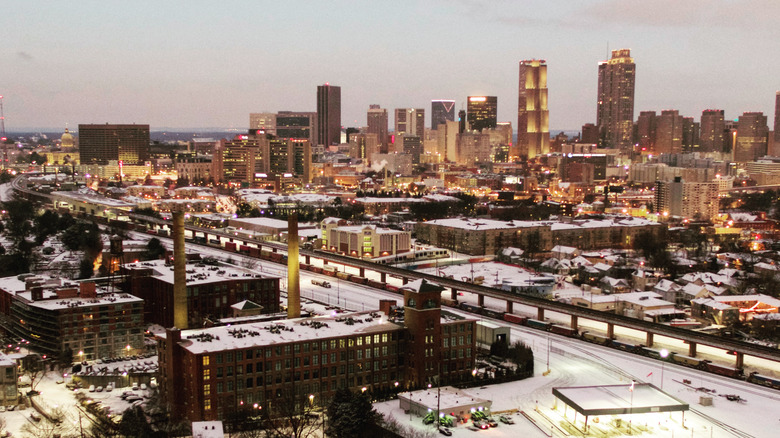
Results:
<point x="197" y="273"/>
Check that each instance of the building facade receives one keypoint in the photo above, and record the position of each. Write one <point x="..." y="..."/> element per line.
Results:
<point x="377" y="125"/>
<point x="713" y="131"/>
<point x="691" y="200"/>
<point x="752" y="136"/>
<point x="442" y="111"/>
<point x="615" y="109"/>
<point x="99" y="144"/>
<point x="533" y="117"/>
<point x="410" y="121"/>
<point x="328" y="115"/>
<point x="367" y="241"/>
<point x="482" y="112"/>
<point x="669" y="132"/>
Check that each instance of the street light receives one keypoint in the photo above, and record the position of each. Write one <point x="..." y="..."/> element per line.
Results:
<point x="664" y="354"/>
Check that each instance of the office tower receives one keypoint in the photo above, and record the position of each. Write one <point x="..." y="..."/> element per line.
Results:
<point x="296" y="125"/>
<point x="412" y="145"/>
<point x="713" y="131"/>
<point x="615" y="110"/>
<point x="410" y="121"/>
<point x="473" y="148"/>
<point x="482" y="112"/>
<point x="752" y="136"/>
<point x="328" y="115"/>
<point x="461" y="121"/>
<point x="646" y="125"/>
<point x="447" y="140"/>
<point x="504" y="150"/>
<point x="533" y="118"/>
<point x="265" y="122"/>
<point x="235" y="160"/>
<point x="669" y="132"/>
<point x="590" y="134"/>
<point x="377" y="124"/>
<point x="99" y="144"/>
<point x="690" y="135"/>
<point x="777" y="120"/>
<point x="442" y="111"/>
<point x="363" y="146"/>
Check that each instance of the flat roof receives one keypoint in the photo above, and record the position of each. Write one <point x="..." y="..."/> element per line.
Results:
<point x="636" y="398"/>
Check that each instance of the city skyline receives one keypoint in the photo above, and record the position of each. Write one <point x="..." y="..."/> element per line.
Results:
<point x="210" y="66"/>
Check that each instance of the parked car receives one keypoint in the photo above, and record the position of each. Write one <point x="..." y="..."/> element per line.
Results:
<point x="506" y="420"/>
<point x="491" y="422"/>
<point x="445" y="431"/>
<point x="91" y="388"/>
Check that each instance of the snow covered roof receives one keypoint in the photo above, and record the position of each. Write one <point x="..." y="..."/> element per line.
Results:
<point x="227" y="338"/>
<point x="637" y="398"/>
<point x="207" y="429"/>
<point x="564" y="249"/>
<point x="197" y="273"/>
<point x="666" y="285"/>
<point x="510" y="251"/>
<point x="709" y="302"/>
<point x="644" y="299"/>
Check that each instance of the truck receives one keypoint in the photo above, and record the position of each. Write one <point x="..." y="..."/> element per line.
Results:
<point x="322" y="283"/>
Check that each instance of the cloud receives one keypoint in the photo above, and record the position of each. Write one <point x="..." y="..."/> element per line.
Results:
<point x="24" y="56"/>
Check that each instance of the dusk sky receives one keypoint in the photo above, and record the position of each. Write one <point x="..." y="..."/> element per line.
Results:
<point x="203" y="64"/>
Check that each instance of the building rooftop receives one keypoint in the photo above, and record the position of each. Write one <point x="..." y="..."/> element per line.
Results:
<point x="197" y="273"/>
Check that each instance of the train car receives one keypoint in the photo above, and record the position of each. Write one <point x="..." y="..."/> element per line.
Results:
<point x="305" y="267"/>
<point x="492" y="313"/>
<point x="358" y="279"/>
<point x="760" y="379"/>
<point x="376" y="284"/>
<point x="735" y="373"/>
<point x="625" y="346"/>
<point x="230" y="246"/>
<point x="596" y="339"/>
<point x="244" y="249"/>
<point x="277" y="257"/>
<point x="689" y="361"/>
<point x="539" y="325"/>
<point x="391" y="288"/>
<point x="448" y="302"/>
<point x="315" y="269"/>
<point x="563" y="330"/>
<point x="215" y="242"/>
<point x="470" y="308"/>
<point x="517" y="319"/>
<point x="329" y="271"/>
<point x="343" y="275"/>
<point x="652" y="352"/>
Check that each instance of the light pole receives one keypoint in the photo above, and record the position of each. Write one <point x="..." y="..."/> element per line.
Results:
<point x="631" y="408"/>
<point x="664" y="353"/>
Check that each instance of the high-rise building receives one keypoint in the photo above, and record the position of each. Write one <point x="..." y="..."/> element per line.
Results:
<point x="328" y="114"/>
<point x="690" y="135"/>
<point x="363" y="146"/>
<point x="410" y="121"/>
<point x="265" y="122"/>
<point x="412" y="145"/>
<point x="695" y="200"/>
<point x="752" y="136"/>
<point x="777" y="119"/>
<point x="713" y="131"/>
<point x="377" y="124"/>
<point x="590" y="134"/>
<point x="442" y="111"/>
<point x="461" y="121"/>
<point x="241" y="159"/>
<point x="615" y="109"/>
<point x="646" y="126"/>
<point x="669" y="132"/>
<point x="99" y="144"/>
<point x="482" y="112"/>
<point x="296" y="125"/>
<point x="533" y="117"/>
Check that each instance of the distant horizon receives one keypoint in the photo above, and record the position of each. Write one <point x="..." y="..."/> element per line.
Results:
<point x="213" y="64"/>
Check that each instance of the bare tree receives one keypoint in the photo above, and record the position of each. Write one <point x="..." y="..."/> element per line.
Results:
<point x="291" y="416"/>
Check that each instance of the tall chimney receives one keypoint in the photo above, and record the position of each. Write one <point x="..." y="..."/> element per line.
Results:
<point x="179" y="273"/>
<point x="293" y="269"/>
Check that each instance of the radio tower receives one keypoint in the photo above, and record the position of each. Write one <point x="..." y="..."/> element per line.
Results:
<point x="3" y="138"/>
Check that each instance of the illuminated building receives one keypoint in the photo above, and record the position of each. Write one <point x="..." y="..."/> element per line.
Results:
<point x="713" y="131"/>
<point x="328" y="115"/>
<point x="377" y="125"/>
<point x="590" y="134"/>
<point x="99" y="144"/>
<point x="533" y="124"/>
<point x="296" y="125"/>
<point x="615" y="106"/>
<point x="235" y="160"/>
<point x="210" y="373"/>
<point x="442" y="111"/>
<point x="692" y="200"/>
<point x="669" y="132"/>
<point x="363" y="146"/>
<point x="473" y="148"/>
<point x="410" y="144"/>
<point x="777" y="120"/>
<point x="365" y="240"/>
<point x="66" y="141"/>
<point x="482" y="112"/>
<point x="265" y="122"/>
<point x="646" y="125"/>
<point x="243" y="159"/>
<point x="410" y="121"/>
<point x="752" y="137"/>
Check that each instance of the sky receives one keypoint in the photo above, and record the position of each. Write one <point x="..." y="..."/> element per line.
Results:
<point x="204" y="64"/>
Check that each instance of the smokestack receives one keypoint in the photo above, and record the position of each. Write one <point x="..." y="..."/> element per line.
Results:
<point x="293" y="269"/>
<point x="179" y="273"/>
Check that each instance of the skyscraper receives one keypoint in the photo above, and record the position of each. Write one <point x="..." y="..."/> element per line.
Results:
<point x="646" y="125"/>
<point x="410" y="121"/>
<point x="690" y="135"/>
<point x="752" y="136"/>
<point x="533" y="118"/>
<point x="442" y="111"/>
<point x="669" y="132"/>
<point x="328" y="114"/>
<point x="777" y="119"/>
<point x="482" y="112"/>
<point x="713" y="131"/>
<point x="99" y="144"/>
<point x="377" y="124"/>
<point x="615" y="110"/>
